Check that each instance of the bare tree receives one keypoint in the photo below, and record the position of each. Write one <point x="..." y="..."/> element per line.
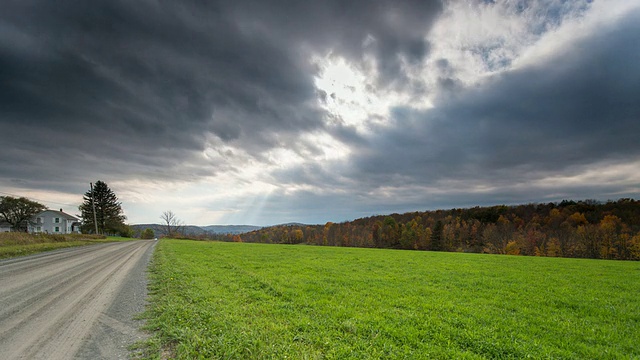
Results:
<point x="171" y="223"/>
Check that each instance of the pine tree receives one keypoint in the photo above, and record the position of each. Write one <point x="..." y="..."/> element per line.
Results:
<point x="109" y="215"/>
<point x="436" y="236"/>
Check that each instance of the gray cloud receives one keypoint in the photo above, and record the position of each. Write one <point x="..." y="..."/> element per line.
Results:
<point x="119" y="90"/>
<point x="578" y="108"/>
<point x="139" y="85"/>
<point x="573" y="113"/>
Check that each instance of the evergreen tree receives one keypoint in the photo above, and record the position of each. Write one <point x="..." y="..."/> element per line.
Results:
<point x="436" y="237"/>
<point x="109" y="215"/>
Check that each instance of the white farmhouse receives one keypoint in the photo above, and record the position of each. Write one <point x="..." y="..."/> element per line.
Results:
<point x="54" y="222"/>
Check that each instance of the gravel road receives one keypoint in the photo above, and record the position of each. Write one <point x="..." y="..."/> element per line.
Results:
<point x="74" y="303"/>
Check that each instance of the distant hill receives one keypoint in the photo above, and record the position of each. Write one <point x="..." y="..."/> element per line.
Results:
<point x="193" y="230"/>
<point x="291" y="224"/>
<point x="230" y="229"/>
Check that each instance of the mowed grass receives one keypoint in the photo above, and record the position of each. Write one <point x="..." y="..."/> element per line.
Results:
<point x="214" y="300"/>
<point x="14" y="244"/>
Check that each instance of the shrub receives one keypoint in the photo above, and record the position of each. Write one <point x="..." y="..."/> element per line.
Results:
<point x="148" y="234"/>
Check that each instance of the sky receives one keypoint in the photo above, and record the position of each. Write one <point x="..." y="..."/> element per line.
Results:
<point x="265" y="112"/>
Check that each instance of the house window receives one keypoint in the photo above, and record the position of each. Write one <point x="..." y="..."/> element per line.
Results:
<point x="57" y="220"/>
<point x="57" y="229"/>
<point x="38" y="229"/>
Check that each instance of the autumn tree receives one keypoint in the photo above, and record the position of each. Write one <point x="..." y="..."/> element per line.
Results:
<point x="474" y="236"/>
<point x="609" y="233"/>
<point x="410" y="236"/>
<point x="492" y="239"/>
<point x="512" y="248"/>
<point x="375" y="233"/>
<point x="533" y="237"/>
<point x="298" y="236"/>
<point x="109" y="215"/>
<point x="577" y="219"/>
<point x="18" y="212"/>
<point x="326" y="233"/>
<point x="553" y="247"/>
<point x="390" y="232"/>
<point x="588" y="242"/>
<point x="448" y="235"/>
<point x="634" y="247"/>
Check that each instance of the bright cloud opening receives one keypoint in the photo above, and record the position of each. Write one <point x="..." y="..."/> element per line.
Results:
<point x="347" y="96"/>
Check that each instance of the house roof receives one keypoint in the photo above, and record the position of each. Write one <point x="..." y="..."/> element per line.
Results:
<point x="58" y="213"/>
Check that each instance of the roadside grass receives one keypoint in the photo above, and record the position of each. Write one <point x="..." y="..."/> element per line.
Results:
<point x="120" y="239"/>
<point x="214" y="300"/>
<point x="14" y="244"/>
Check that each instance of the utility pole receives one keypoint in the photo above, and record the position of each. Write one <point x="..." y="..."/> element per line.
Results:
<point x="93" y="204"/>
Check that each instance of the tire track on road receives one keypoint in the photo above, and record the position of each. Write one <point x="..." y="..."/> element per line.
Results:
<point x="47" y="312"/>
<point x="47" y="285"/>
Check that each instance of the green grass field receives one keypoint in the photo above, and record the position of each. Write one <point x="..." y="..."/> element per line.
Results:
<point x="213" y="300"/>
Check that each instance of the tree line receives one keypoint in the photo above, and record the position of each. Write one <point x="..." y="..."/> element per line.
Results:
<point x="582" y="229"/>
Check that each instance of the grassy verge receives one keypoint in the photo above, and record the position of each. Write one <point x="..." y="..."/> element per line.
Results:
<point x="254" y="301"/>
<point x="19" y="244"/>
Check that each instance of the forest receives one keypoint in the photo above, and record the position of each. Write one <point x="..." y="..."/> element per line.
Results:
<point x="582" y="229"/>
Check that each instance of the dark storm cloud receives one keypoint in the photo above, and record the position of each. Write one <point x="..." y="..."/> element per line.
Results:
<point x="126" y="87"/>
<point x="174" y="91"/>
<point x="497" y="143"/>
<point x="396" y="29"/>
<point x="570" y="111"/>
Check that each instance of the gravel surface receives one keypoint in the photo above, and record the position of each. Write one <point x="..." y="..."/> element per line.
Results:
<point x="75" y="303"/>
